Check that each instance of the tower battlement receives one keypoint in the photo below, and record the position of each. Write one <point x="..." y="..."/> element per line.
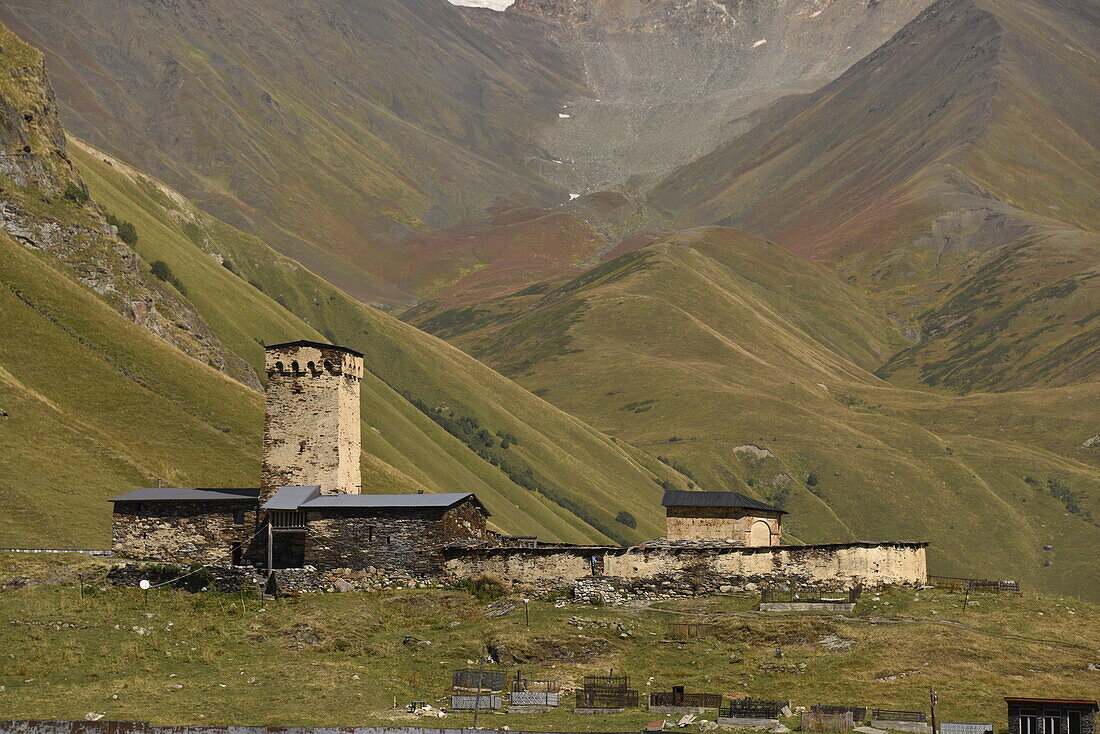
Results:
<point x="311" y="419"/>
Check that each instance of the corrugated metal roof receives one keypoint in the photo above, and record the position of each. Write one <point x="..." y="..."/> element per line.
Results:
<point x="678" y="498"/>
<point x="186" y="494"/>
<point x="442" y="499"/>
<point x="291" y="498"/>
<point x="318" y="345"/>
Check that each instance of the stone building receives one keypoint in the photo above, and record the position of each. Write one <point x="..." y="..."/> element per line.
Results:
<point x="311" y="418"/>
<point x="309" y="511"/>
<point x="392" y="532"/>
<point x="721" y="516"/>
<point x="1051" y="716"/>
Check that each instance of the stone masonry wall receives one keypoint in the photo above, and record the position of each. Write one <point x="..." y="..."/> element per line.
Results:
<point x="408" y="540"/>
<point x="183" y="531"/>
<point x="312" y="421"/>
<point x="718" y="523"/>
<point x="670" y="570"/>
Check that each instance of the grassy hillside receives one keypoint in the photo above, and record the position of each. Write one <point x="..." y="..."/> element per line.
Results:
<point x="345" y="659"/>
<point x="336" y="128"/>
<point x="574" y="480"/>
<point x="954" y="171"/>
<point x="741" y="364"/>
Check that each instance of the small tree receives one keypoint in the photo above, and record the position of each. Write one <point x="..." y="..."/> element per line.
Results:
<point x="812" y="480"/>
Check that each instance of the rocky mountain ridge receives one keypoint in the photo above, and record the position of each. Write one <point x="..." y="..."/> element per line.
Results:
<point x="45" y="206"/>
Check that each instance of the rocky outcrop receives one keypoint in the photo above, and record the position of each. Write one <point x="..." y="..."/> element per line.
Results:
<point x="45" y="206"/>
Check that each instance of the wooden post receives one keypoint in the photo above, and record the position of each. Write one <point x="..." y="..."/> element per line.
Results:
<point x="932" y="697"/>
<point x="269" y="550"/>
<point x="477" y="691"/>
<point x="80" y="576"/>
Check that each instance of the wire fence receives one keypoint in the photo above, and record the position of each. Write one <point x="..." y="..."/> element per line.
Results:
<point x="751" y="708"/>
<point x="678" y="698"/>
<point x="479" y="680"/>
<point x="956" y="583"/>
<point x="892" y="715"/>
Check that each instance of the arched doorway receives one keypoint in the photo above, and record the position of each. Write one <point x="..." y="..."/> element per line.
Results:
<point x="760" y="533"/>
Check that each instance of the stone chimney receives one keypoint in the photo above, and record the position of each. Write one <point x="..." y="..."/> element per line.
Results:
<point x="311" y="422"/>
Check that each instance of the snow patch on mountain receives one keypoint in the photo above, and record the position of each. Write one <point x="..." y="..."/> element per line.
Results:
<point x="491" y="4"/>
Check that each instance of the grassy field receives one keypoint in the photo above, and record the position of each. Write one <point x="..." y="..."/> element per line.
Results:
<point x="345" y="659"/>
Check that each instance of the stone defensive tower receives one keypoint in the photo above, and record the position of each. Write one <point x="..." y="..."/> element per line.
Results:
<point x="311" y="422"/>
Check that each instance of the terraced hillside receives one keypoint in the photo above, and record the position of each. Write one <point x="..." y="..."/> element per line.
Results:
<point x="95" y="401"/>
<point x="741" y="364"/>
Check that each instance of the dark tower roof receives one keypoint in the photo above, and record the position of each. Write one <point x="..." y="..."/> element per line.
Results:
<point x="318" y="345"/>
<point x="678" y="498"/>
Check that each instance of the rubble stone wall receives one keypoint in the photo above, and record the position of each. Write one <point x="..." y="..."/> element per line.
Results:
<point x="677" y="571"/>
<point x="180" y="532"/>
<point x="404" y="540"/>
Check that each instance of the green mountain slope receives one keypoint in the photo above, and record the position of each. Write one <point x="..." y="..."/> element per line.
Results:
<point x="744" y="365"/>
<point x="99" y="398"/>
<point x="953" y="170"/>
<point x="335" y="128"/>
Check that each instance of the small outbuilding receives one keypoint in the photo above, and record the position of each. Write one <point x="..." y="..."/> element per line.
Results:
<point x="1051" y="716"/>
<point x="729" y="517"/>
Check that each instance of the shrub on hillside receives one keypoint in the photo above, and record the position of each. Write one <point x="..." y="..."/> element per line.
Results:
<point x="627" y="519"/>
<point x="126" y="230"/>
<point x="164" y="272"/>
<point x="75" y="193"/>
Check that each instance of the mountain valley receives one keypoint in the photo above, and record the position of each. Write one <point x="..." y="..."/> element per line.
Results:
<point x="840" y="256"/>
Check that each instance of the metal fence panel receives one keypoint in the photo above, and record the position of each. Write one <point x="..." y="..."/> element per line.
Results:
<point x="891" y="715"/>
<point x="961" y="727"/>
<point x="859" y="713"/>
<point x="607" y="698"/>
<point x="535" y="698"/>
<point x="751" y="708"/>
<point x="484" y="680"/>
<point x="687" y="700"/>
<point x="463" y="702"/>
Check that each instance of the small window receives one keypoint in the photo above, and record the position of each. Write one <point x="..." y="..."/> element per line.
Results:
<point x="280" y="367"/>
<point x="294" y="367"/>
<point x="370" y="533"/>
<point x="312" y="367"/>
<point x="238" y="517"/>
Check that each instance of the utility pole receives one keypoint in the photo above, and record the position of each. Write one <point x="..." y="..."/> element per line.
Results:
<point x="932" y="697"/>
<point x="477" y="691"/>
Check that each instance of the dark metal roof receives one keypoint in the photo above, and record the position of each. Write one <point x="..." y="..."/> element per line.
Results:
<point x="1053" y="700"/>
<point x="186" y="494"/>
<point x="411" y="501"/>
<point x="677" y="498"/>
<point x="291" y="498"/>
<point x="318" y="345"/>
